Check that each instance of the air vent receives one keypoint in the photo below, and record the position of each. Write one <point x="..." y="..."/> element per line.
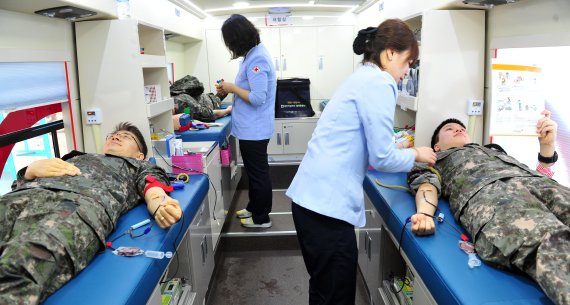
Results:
<point x="488" y="3"/>
<point x="70" y="13"/>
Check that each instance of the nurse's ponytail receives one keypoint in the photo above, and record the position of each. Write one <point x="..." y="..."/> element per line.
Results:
<point x="391" y="34"/>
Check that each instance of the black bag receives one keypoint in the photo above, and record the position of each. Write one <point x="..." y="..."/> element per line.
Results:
<point x="293" y="98"/>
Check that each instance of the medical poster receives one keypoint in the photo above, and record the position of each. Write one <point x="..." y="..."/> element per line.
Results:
<point x="517" y="99"/>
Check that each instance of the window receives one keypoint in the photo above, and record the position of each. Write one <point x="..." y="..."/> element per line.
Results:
<point x="31" y="125"/>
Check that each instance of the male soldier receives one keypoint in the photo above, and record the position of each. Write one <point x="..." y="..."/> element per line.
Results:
<point x="188" y="93"/>
<point x="519" y="218"/>
<point x="57" y="217"/>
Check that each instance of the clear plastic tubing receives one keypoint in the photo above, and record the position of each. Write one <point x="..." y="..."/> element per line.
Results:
<point x="157" y="254"/>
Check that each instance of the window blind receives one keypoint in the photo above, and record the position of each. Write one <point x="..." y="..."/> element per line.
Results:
<point x="30" y="84"/>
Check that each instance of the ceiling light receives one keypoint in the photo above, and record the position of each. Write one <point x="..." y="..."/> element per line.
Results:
<point x="322" y="6"/>
<point x="308" y="17"/>
<point x="241" y="4"/>
<point x="311" y="2"/>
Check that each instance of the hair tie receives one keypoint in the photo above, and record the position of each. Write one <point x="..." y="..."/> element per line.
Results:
<point x="364" y="35"/>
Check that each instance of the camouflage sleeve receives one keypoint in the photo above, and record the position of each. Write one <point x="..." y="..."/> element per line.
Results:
<point x="146" y="169"/>
<point x="19" y="179"/>
<point x="201" y="110"/>
<point x="421" y="174"/>
<point x="215" y="100"/>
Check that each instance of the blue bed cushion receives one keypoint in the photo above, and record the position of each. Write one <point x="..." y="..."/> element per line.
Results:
<point x="437" y="258"/>
<point x="115" y="280"/>
<point x="214" y="133"/>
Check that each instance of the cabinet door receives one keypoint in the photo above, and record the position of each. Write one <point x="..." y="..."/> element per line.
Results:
<point x="375" y="232"/>
<point x="296" y="137"/>
<point x="335" y="60"/>
<point x="219" y="63"/>
<point x="215" y="200"/>
<point x="275" y="146"/>
<point x="270" y="38"/>
<point x="299" y="53"/>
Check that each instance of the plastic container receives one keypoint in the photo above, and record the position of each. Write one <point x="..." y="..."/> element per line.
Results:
<point x="226" y="156"/>
<point x="157" y="254"/>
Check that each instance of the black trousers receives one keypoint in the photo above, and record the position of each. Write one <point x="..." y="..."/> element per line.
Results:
<point x="330" y="254"/>
<point x="254" y="155"/>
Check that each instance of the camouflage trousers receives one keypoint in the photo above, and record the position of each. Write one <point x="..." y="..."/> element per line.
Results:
<point x="43" y="244"/>
<point x="523" y="224"/>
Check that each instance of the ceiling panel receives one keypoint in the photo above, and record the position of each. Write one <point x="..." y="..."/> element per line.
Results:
<point x="219" y="7"/>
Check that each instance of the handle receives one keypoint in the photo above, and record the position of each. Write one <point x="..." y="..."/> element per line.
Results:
<point x="278" y="138"/>
<point x="321" y="62"/>
<point x="203" y="251"/>
<point x="276" y="63"/>
<point x="284" y="63"/>
<point x="369" y="248"/>
<point x="286" y="138"/>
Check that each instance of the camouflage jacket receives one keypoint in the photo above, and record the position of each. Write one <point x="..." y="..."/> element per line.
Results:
<point x="201" y="108"/>
<point x="107" y="187"/>
<point x="465" y="170"/>
<point x="187" y="85"/>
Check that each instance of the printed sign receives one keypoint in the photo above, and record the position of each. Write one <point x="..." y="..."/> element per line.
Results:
<point x="278" y="19"/>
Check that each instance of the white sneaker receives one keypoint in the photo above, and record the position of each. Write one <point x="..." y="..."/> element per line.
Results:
<point x="243" y="213"/>
<point x="248" y="223"/>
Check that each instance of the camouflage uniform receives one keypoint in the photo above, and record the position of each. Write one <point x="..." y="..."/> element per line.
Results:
<point x="520" y="219"/>
<point x="52" y="227"/>
<point x="188" y="92"/>
<point x="201" y="108"/>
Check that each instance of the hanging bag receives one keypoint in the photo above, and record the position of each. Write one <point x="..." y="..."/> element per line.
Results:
<point x="293" y="98"/>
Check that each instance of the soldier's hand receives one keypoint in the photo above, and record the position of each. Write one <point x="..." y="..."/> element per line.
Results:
<point x="546" y="129"/>
<point x="422" y="224"/>
<point x="50" y="168"/>
<point x="169" y="213"/>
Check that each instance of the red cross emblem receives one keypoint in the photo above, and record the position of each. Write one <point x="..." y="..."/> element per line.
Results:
<point x="256" y="69"/>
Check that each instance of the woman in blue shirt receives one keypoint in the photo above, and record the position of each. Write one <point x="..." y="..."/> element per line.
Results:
<point x="253" y="114"/>
<point x="355" y="130"/>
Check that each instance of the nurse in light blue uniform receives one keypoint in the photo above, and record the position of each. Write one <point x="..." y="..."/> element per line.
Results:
<point x="355" y="130"/>
<point x="253" y="114"/>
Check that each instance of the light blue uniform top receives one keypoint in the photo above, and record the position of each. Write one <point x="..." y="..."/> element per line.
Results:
<point x="255" y="120"/>
<point x="354" y="130"/>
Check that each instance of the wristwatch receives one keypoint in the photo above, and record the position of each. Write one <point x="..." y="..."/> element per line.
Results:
<point x="547" y="160"/>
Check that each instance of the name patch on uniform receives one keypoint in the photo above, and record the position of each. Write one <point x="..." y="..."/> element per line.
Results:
<point x="256" y="69"/>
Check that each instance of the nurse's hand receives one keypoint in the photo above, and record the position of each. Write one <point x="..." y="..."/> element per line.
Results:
<point x="425" y="155"/>
<point x="422" y="224"/>
<point x="220" y="90"/>
<point x="50" y="168"/>
<point x="226" y="87"/>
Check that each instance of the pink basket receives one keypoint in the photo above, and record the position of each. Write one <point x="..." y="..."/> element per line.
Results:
<point x="226" y="156"/>
<point x="190" y="164"/>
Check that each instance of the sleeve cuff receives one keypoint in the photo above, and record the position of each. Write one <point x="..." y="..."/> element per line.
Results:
<point x="547" y="171"/>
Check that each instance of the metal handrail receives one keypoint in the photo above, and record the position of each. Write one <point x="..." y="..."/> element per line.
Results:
<point x="32" y="132"/>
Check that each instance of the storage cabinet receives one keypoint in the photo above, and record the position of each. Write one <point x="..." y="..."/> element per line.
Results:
<point x="290" y="137"/>
<point x="212" y="166"/>
<point x="451" y="71"/>
<point x="369" y="246"/>
<point x="193" y="261"/>
<point x="116" y="60"/>
<point x="289" y="141"/>
<point x="321" y="53"/>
